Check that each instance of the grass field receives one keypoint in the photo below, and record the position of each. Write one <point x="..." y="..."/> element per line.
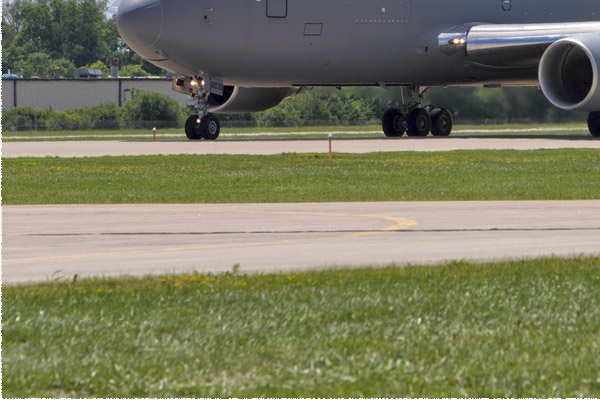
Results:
<point x="514" y="329"/>
<point x="456" y="175"/>
<point x="509" y="329"/>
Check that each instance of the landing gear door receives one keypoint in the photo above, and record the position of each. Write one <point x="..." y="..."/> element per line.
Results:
<point x="276" y="8"/>
<point x="213" y="85"/>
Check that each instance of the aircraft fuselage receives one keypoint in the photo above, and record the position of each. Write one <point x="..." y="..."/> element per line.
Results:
<point x="339" y="42"/>
<point x="247" y="55"/>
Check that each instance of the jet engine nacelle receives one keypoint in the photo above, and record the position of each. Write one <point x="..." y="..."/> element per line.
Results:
<point x="568" y="73"/>
<point x="236" y="99"/>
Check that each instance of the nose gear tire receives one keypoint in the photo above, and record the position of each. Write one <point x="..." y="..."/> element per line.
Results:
<point x="210" y="127"/>
<point x="192" y="128"/>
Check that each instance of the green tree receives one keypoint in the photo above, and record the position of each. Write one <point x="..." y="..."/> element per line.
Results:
<point x="63" y="68"/>
<point x="42" y="66"/>
<point x="133" y="70"/>
<point x="98" y="65"/>
<point x="74" y="30"/>
<point x="37" y="64"/>
<point x="313" y="106"/>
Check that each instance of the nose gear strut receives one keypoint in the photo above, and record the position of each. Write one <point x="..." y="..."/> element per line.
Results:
<point x="202" y="124"/>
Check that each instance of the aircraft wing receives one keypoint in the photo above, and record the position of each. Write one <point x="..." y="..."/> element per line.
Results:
<point x="511" y="45"/>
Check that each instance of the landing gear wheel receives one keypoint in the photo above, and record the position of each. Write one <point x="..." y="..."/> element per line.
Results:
<point x="192" y="128"/>
<point x="441" y="122"/>
<point x="418" y="122"/>
<point x="594" y="123"/>
<point x="393" y="123"/>
<point x="210" y="127"/>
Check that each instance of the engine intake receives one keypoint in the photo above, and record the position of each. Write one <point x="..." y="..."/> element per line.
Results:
<point x="568" y="73"/>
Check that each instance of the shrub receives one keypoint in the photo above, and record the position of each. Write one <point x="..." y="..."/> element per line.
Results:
<point x="104" y="116"/>
<point x="24" y="119"/>
<point x="70" y="120"/>
<point x="151" y="109"/>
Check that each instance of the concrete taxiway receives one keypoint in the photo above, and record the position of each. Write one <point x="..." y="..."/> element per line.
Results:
<point x="60" y="241"/>
<point x="339" y="145"/>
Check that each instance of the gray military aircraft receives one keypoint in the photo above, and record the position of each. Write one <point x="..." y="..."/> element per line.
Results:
<point x="235" y="56"/>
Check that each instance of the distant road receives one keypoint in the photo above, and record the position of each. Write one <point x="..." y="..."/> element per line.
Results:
<point x="60" y="241"/>
<point x="264" y="146"/>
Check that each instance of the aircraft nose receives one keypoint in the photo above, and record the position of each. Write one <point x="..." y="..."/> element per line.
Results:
<point x="140" y="22"/>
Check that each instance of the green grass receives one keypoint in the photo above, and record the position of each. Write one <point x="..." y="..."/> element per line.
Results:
<point x="456" y="175"/>
<point x="507" y="329"/>
<point x="511" y="329"/>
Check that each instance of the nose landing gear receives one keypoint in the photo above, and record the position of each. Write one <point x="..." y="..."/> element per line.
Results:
<point x="206" y="127"/>
<point x="415" y="120"/>
<point x="200" y="125"/>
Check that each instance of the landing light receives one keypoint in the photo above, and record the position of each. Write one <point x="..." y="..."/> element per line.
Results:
<point x="457" y="41"/>
<point x="452" y="42"/>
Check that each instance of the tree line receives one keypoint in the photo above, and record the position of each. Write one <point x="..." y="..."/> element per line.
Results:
<point x="52" y="38"/>
<point x="318" y="107"/>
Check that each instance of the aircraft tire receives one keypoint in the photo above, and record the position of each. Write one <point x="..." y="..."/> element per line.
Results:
<point x="210" y="127"/>
<point x="441" y="122"/>
<point x="393" y="123"/>
<point x="192" y="128"/>
<point x="418" y="122"/>
<point x="594" y="123"/>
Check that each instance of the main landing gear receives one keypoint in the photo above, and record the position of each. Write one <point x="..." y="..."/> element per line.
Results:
<point x="594" y="123"/>
<point x="416" y="120"/>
